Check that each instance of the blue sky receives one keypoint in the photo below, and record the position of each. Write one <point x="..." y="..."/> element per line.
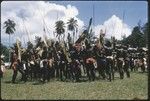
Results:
<point x="108" y="15"/>
<point x="134" y="10"/>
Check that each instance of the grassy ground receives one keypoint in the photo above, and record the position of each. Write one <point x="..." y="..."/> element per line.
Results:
<point x="128" y="88"/>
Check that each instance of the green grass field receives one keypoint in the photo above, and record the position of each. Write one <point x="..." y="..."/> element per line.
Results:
<point x="128" y="88"/>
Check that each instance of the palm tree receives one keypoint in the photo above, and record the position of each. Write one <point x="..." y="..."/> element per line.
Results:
<point x="9" y="25"/>
<point x="59" y="27"/>
<point x="38" y="41"/>
<point x="69" y="38"/>
<point x="72" y="26"/>
<point x="10" y="28"/>
<point x="29" y="45"/>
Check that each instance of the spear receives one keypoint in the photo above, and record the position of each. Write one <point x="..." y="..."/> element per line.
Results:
<point x="85" y="33"/>
<point x="122" y="34"/>
<point x="19" y="50"/>
<point x="44" y="29"/>
<point x="101" y="38"/>
<point x="26" y="31"/>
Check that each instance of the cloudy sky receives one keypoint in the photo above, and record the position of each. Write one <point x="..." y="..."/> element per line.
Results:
<point x="34" y="15"/>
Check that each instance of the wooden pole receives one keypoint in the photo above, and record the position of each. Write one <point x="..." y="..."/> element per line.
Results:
<point x="19" y="50"/>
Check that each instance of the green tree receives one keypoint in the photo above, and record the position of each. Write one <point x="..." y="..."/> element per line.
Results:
<point x="9" y="26"/>
<point x="39" y="42"/>
<point x="5" y="52"/>
<point x="136" y="39"/>
<point x="69" y="38"/>
<point x="72" y="26"/>
<point x="29" y="45"/>
<point x="60" y="30"/>
<point x="145" y="31"/>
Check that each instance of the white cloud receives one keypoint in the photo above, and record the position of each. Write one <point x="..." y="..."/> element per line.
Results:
<point x="114" y="27"/>
<point x="34" y="13"/>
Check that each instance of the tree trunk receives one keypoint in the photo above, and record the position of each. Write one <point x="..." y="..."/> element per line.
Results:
<point x="73" y="36"/>
<point x="59" y="38"/>
<point x="9" y="48"/>
<point x="76" y="34"/>
<point x="64" y="37"/>
<point x="146" y="34"/>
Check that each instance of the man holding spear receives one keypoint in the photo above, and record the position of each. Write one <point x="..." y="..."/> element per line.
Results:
<point x="16" y="65"/>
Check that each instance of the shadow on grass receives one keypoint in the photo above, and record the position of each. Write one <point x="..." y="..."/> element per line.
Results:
<point x="143" y="73"/>
<point x="82" y="80"/>
<point x="7" y="82"/>
<point x="38" y="83"/>
<point x="73" y="81"/>
<point x="17" y="82"/>
<point x="117" y="78"/>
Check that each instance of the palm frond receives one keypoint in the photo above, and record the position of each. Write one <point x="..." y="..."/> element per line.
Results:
<point x="10" y="26"/>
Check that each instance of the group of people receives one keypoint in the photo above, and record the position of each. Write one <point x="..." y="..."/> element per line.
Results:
<point x="76" y="61"/>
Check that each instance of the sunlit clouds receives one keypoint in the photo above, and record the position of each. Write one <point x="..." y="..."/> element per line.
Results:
<point x="32" y="17"/>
